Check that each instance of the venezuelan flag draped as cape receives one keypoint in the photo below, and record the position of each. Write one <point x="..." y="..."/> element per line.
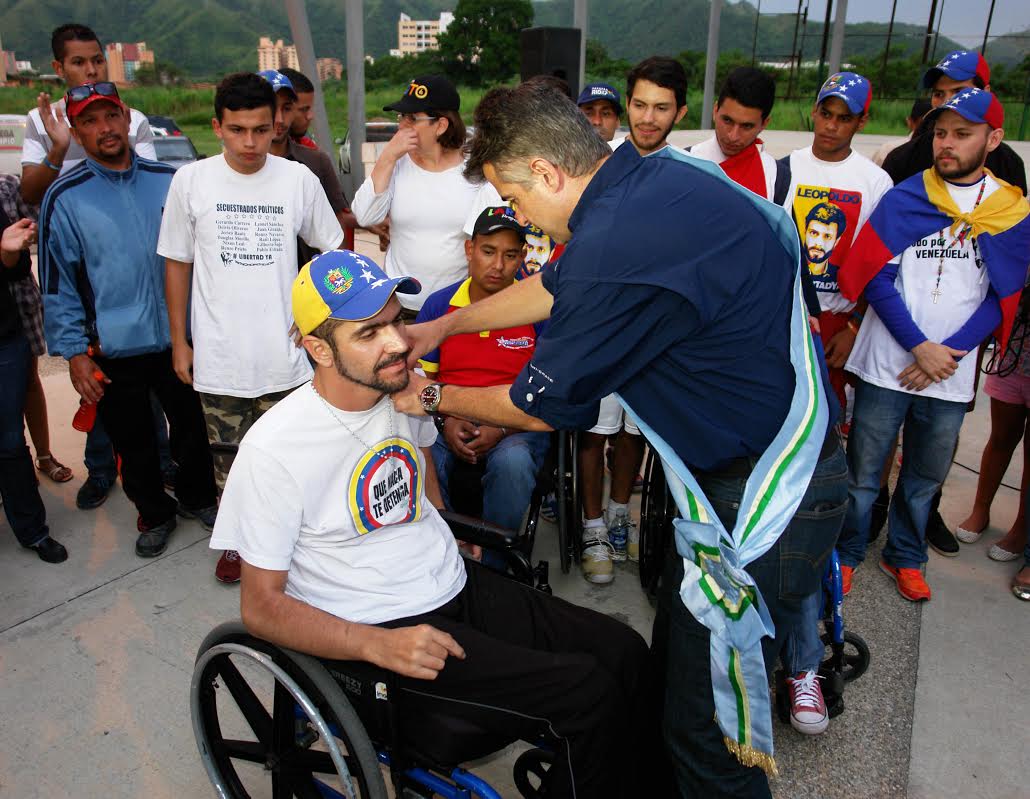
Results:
<point x="920" y="206"/>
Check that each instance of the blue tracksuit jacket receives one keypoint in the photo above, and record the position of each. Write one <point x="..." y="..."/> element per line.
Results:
<point x="99" y="270"/>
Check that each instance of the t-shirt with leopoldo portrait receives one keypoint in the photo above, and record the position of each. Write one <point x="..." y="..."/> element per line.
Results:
<point x="337" y="500"/>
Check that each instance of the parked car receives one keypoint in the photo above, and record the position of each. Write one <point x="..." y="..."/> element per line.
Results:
<point x="378" y="133"/>
<point x="12" y="134"/>
<point x="375" y="133"/>
<point x="164" y="126"/>
<point x="176" y="151"/>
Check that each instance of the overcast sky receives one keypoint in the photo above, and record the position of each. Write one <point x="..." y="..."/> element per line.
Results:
<point x="963" y="20"/>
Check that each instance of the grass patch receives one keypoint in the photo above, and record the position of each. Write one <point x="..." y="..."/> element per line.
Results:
<point x="193" y="107"/>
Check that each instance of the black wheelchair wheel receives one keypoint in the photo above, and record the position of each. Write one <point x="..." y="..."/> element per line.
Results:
<point x="533" y="763"/>
<point x="657" y="512"/>
<point x="567" y="495"/>
<point x="854" y="656"/>
<point x="298" y="730"/>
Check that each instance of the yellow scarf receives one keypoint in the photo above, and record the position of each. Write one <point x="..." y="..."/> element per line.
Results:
<point x="1004" y="208"/>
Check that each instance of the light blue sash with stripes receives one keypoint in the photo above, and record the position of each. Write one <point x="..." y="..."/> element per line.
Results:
<point x="716" y="589"/>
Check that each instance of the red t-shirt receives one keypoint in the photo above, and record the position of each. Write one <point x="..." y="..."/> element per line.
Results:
<point x="487" y="358"/>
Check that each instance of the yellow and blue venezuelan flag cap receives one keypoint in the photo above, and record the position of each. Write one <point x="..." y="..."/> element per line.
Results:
<point x="341" y="284"/>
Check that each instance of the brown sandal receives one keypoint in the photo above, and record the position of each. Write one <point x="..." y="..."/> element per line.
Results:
<point x="56" y="470"/>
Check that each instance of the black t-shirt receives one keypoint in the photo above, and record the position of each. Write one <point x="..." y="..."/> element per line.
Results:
<point x="916" y="155"/>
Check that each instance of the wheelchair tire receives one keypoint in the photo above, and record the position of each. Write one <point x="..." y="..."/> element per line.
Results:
<point x="657" y="511"/>
<point x="856" y="655"/>
<point x="533" y="762"/>
<point x="307" y="705"/>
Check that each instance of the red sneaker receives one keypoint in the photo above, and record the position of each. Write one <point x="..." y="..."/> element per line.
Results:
<point x="228" y="568"/>
<point x="807" y="707"/>
<point x="846" y="573"/>
<point x="910" y="582"/>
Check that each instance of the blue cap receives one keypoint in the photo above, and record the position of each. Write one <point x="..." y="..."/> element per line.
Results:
<point x="278" y="80"/>
<point x="959" y="65"/>
<point x="855" y="90"/>
<point x="976" y="105"/>
<point x="599" y="91"/>
<point x="341" y="284"/>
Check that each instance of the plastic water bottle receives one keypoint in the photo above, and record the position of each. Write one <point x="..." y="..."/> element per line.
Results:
<point x="85" y="417"/>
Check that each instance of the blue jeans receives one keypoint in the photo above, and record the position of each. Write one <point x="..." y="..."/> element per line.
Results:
<point x="790" y="571"/>
<point x="18" y="487"/>
<point x="931" y="433"/>
<point x="511" y="470"/>
<point x="803" y="650"/>
<point x="99" y="455"/>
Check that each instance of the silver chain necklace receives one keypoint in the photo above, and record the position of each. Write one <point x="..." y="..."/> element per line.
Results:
<point x="345" y="426"/>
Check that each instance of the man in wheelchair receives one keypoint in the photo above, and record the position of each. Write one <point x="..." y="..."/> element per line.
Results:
<point x="507" y="460"/>
<point x="330" y="503"/>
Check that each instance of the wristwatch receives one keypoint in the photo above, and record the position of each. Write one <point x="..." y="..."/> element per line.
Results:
<point x="430" y="397"/>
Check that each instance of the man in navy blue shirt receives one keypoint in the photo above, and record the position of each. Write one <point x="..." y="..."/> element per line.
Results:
<point x="691" y="329"/>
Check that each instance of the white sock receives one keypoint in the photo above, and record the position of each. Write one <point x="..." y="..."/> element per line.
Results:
<point x="598" y="522"/>
<point x="617" y="509"/>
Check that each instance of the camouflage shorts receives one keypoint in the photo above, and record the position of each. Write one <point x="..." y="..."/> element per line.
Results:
<point x="228" y="419"/>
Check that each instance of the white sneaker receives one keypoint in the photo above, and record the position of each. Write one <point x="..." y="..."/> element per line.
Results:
<point x="597" y="556"/>
<point x="807" y="706"/>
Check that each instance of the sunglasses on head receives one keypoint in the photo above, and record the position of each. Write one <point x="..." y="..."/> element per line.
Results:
<point x="103" y="88"/>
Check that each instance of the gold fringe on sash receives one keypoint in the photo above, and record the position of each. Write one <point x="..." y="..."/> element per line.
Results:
<point x="752" y="757"/>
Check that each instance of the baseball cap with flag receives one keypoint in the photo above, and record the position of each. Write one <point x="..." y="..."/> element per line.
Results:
<point x="278" y="80"/>
<point x="855" y="90"/>
<point x="959" y="65"/>
<point x="341" y="284"/>
<point x="978" y="106"/>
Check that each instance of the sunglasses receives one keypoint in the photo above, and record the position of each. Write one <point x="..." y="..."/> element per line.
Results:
<point x="411" y="119"/>
<point x="103" y="89"/>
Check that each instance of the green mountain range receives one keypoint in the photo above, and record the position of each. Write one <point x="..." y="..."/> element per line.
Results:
<point x="207" y="38"/>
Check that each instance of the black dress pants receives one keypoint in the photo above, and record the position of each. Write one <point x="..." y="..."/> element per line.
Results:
<point x="126" y="413"/>
<point x="535" y="663"/>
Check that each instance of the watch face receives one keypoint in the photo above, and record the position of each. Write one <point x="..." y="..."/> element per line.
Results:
<point x="430" y="397"/>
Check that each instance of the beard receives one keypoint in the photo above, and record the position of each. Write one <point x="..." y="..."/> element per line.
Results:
<point x="376" y="382"/>
<point x="960" y="168"/>
<point x="658" y="142"/>
<point x="816" y="256"/>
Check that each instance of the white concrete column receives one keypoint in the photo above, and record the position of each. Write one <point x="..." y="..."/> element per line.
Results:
<point x="837" y="42"/>
<point x="710" y="64"/>
<point x="301" y="32"/>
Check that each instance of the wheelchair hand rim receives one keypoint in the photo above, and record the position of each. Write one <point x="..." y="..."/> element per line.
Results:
<point x="204" y="745"/>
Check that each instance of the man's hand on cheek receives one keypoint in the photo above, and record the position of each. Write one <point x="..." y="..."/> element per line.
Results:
<point x="407" y="400"/>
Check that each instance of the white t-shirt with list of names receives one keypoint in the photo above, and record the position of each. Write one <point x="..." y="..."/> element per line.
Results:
<point x="240" y="233"/>
<point x="337" y="500"/>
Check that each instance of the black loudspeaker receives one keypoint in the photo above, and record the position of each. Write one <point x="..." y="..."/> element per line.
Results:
<point x="551" y="51"/>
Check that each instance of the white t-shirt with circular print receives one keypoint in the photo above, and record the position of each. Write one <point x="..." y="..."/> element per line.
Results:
<point x="337" y="499"/>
